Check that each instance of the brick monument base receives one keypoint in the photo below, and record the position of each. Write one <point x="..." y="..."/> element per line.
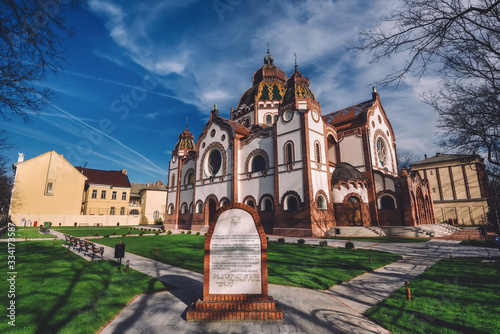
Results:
<point x="235" y="270"/>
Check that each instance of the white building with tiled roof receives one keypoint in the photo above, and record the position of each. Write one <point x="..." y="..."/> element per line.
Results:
<point x="303" y="170"/>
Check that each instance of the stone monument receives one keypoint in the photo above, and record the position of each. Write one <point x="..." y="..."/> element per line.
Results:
<point x="235" y="269"/>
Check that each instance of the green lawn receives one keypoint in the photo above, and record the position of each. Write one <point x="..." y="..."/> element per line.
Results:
<point x="288" y="264"/>
<point x="459" y="296"/>
<point x="26" y="232"/>
<point x="65" y="294"/>
<point x="84" y="231"/>
<point x="383" y="239"/>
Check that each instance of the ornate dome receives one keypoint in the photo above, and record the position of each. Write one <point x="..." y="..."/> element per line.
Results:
<point x="186" y="141"/>
<point x="268" y="84"/>
<point x="345" y="171"/>
<point x="298" y="87"/>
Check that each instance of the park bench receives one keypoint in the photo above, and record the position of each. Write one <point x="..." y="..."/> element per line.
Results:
<point x="86" y="246"/>
<point x="44" y="230"/>
<point x="67" y="239"/>
<point x="97" y="251"/>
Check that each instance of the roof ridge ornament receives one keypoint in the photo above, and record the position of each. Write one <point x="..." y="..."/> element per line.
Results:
<point x="295" y="55"/>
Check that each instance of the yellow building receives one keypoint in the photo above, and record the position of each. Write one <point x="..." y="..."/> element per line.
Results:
<point x="106" y="192"/>
<point x="44" y="187"/>
<point x="458" y="185"/>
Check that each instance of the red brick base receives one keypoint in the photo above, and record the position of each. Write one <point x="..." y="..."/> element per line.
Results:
<point x="250" y="309"/>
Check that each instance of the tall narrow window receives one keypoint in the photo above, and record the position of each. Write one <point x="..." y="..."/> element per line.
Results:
<point x="122" y="211"/>
<point x="292" y="204"/>
<point x="94" y="193"/>
<point x="214" y="162"/>
<point x="113" y="195"/>
<point x="381" y="152"/>
<point x="173" y="181"/>
<point x="269" y="119"/>
<point x="103" y="194"/>
<point x="124" y="196"/>
<point x="317" y="152"/>
<point x="289" y="154"/>
<point x="112" y="210"/>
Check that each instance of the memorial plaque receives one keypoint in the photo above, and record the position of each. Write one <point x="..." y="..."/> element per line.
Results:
<point x="235" y="277"/>
<point x="235" y="255"/>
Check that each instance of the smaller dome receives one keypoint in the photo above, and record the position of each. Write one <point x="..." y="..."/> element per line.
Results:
<point x="345" y="171"/>
<point x="298" y="87"/>
<point x="186" y="141"/>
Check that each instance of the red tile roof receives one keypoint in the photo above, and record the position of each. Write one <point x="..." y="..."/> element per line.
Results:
<point x="349" y="113"/>
<point x="115" y="178"/>
<point x="238" y="127"/>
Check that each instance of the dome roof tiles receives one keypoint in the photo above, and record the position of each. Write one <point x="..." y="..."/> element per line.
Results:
<point x="346" y="171"/>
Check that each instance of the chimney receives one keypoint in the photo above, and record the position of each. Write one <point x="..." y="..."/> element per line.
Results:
<point x="425" y="156"/>
<point x="21" y="157"/>
<point x="124" y="171"/>
<point x="438" y="154"/>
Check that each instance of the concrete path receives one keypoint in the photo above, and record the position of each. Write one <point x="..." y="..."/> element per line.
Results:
<point x="337" y="310"/>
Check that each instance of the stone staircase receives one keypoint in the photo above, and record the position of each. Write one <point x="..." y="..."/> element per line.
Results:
<point x="422" y="231"/>
<point x="467" y="234"/>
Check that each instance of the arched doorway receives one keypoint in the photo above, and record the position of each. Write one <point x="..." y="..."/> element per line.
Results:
<point x="354" y="211"/>
<point x="212" y="207"/>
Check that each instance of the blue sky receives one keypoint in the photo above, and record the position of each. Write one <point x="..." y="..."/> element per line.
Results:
<point x="137" y="69"/>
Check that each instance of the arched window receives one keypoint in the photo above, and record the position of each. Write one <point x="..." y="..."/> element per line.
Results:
<point x="170" y="209"/>
<point x="258" y="163"/>
<point x="223" y="202"/>
<point x="317" y="152"/>
<point x="189" y="178"/>
<point x="156" y="215"/>
<point x="184" y="208"/>
<point x="321" y="202"/>
<point x="387" y="203"/>
<point x="173" y="181"/>
<point x="199" y="207"/>
<point x="269" y="119"/>
<point x="214" y="162"/>
<point x="332" y="151"/>
<point x="292" y="204"/>
<point x="250" y="203"/>
<point x="381" y="152"/>
<point x="134" y="212"/>
<point x="289" y="154"/>
<point x="266" y="205"/>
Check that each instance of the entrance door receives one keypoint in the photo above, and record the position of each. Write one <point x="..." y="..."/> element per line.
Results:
<point x="354" y="211"/>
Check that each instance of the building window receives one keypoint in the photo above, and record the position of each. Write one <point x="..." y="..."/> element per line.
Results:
<point x="49" y="188"/>
<point x="113" y="195"/>
<point x="184" y="208"/>
<point x="156" y="215"/>
<point x="258" y="163"/>
<point x="173" y="181"/>
<point x="112" y="211"/>
<point x="266" y="205"/>
<point x="321" y="202"/>
<point x="199" y="207"/>
<point x="94" y="193"/>
<point x="387" y="203"/>
<point x="122" y="211"/>
<point x="433" y="190"/>
<point x="170" y="209"/>
<point x="124" y="196"/>
<point x="134" y="212"/>
<point x="292" y="204"/>
<point x="250" y="203"/>
<point x="381" y="152"/>
<point x="289" y="154"/>
<point x="189" y="178"/>
<point x="214" y="162"/>
<point x="317" y="152"/>
<point x="103" y="194"/>
<point x="269" y="119"/>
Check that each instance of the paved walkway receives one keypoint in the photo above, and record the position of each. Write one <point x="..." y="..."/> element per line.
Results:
<point x="337" y="310"/>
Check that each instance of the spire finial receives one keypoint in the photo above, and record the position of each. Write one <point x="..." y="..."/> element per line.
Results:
<point x="268" y="45"/>
<point x="187" y="119"/>
<point x="295" y="55"/>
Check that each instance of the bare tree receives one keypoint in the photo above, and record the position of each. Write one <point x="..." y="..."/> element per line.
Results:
<point x="461" y="43"/>
<point x="406" y="158"/>
<point x="32" y="38"/>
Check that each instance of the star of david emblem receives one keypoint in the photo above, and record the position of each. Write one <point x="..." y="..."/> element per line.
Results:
<point x="235" y="220"/>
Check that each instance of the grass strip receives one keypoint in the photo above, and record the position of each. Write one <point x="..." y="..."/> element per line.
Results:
<point x="304" y="266"/>
<point x="101" y="230"/>
<point x="458" y="296"/>
<point x="26" y="232"/>
<point x="59" y="293"/>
